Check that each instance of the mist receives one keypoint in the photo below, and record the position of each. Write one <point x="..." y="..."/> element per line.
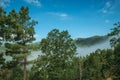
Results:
<point x="83" y="51"/>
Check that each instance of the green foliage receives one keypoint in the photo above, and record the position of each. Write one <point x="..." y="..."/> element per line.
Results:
<point x="58" y="50"/>
<point x="2" y="60"/>
<point x="115" y="42"/>
<point x="34" y="46"/>
<point x="16" y="73"/>
<point x="16" y="31"/>
<point x="115" y="33"/>
<point x="98" y="65"/>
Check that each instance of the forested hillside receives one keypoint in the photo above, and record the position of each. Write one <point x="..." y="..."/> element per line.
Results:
<point x="87" y="42"/>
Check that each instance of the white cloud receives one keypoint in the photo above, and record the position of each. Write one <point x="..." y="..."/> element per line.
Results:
<point x="104" y="11"/>
<point x="107" y="21"/>
<point x="35" y="2"/>
<point x="107" y="8"/>
<point x="108" y="4"/>
<point x="63" y="15"/>
<point x="4" y="3"/>
<point x="58" y="14"/>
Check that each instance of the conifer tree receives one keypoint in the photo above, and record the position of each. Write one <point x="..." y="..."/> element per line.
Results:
<point x="16" y="31"/>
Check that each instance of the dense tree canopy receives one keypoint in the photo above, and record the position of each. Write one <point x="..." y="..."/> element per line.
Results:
<point x="58" y="50"/>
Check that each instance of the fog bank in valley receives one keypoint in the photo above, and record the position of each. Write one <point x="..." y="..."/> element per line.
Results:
<point x="83" y="51"/>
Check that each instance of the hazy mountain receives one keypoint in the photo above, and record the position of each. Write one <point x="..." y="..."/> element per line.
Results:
<point x="90" y="41"/>
<point x="87" y="45"/>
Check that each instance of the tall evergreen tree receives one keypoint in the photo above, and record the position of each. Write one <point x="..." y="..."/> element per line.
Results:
<point x="16" y="31"/>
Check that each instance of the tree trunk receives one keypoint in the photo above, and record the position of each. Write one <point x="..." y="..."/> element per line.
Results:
<point x="80" y="69"/>
<point x="25" y="60"/>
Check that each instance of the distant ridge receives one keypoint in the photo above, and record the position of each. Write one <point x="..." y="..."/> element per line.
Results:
<point x="90" y="41"/>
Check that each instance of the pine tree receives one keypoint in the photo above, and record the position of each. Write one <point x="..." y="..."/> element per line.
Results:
<point x="17" y="31"/>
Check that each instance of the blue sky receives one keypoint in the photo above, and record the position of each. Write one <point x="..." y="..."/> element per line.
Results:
<point x="82" y="18"/>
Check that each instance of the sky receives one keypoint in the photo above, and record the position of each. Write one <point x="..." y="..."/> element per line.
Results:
<point x="82" y="18"/>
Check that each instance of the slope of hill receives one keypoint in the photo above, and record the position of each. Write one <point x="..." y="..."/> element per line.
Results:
<point x="87" y="42"/>
<point x="85" y="46"/>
